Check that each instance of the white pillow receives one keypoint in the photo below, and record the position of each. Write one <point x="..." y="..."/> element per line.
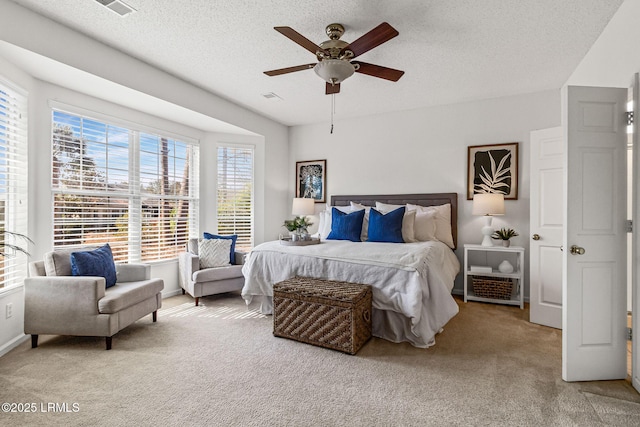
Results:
<point x="442" y="220"/>
<point x="408" y="228"/>
<point x="344" y="209"/>
<point x="364" y="234"/>
<point x="321" y="221"/>
<point x="425" y="226"/>
<point x="325" y="227"/>
<point x="214" y="252"/>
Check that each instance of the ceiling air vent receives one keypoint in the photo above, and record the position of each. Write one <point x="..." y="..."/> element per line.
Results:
<point x="272" y="96"/>
<point x="117" y="6"/>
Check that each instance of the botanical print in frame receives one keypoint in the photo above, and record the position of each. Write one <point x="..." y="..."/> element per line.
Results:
<point x="311" y="180"/>
<point x="493" y="169"/>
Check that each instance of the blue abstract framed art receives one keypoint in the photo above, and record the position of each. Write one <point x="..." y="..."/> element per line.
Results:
<point x="311" y="180"/>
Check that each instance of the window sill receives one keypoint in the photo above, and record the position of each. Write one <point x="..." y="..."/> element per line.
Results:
<point x="11" y="289"/>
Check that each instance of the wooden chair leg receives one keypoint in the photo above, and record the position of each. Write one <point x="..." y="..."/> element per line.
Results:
<point x="108" y="341"/>
<point x="197" y="299"/>
<point x="155" y="316"/>
<point x="34" y="340"/>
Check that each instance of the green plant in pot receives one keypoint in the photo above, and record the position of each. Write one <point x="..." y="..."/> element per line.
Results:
<point x="504" y="234"/>
<point x="298" y="226"/>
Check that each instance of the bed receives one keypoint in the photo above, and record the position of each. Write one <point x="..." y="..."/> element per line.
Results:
<point x="411" y="282"/>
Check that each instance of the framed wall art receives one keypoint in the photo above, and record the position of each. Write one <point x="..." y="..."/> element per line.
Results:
<point x="493" y="169"/>
<point x="311" y="180"/>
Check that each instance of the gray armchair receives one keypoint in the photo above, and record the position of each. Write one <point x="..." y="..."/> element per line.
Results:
<point x="57" y="303"/>
<point x="199" y="282"/>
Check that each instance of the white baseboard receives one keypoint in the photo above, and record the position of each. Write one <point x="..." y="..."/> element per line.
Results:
<point x="172" y="293"/>
<point x="13" y="344"/>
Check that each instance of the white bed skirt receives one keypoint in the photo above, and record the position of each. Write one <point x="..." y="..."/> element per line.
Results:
<point x="411" y="303"/>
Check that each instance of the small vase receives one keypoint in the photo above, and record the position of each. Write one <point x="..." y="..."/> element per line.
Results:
<point x="505" y="266"/>
<point x="506" y="243"/>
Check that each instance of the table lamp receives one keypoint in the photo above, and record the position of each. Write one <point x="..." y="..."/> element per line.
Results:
<point x="488" y="204"/>
<point x="303" y="206"/>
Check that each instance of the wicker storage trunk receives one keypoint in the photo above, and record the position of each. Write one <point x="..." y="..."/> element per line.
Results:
<point x="326" y="313"/>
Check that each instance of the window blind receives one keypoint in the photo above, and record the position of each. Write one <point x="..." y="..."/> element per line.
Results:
<point x="13" y="184"/>
<point x="235" y="193"/>
<point x="132" y="189"/>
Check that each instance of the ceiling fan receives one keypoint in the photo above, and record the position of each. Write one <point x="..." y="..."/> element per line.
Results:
<point x="334" y="55"/>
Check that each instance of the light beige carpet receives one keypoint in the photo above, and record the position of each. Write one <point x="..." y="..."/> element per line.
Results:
<point x="220" y="365"/>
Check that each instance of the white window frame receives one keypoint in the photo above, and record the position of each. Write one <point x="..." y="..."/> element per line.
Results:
<point x="135" y="195"/>
<point x="14" y="265"/>
<point x="242" y="146"/>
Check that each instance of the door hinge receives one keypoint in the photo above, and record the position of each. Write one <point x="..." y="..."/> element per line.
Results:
<point x="629" y="117"/>
<point x="629" y="334"/>
<point x="629" y="226"/>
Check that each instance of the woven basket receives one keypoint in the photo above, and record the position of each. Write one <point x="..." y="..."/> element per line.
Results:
<point x="326" y="313"/>
<point x="492" y="287"/>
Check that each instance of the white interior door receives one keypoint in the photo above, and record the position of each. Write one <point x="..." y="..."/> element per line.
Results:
<point x="546" y="226"/>
<point x="635" y="264"/>
<point x="594" y="285"/>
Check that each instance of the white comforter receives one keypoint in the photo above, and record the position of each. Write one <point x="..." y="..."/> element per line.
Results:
<point x="411" y="282"/>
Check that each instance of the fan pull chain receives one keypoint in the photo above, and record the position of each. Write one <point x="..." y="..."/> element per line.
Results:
<point x="333" y="109"/>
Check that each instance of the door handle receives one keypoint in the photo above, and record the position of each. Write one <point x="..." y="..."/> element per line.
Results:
<point x="577" y="250"/>
<point x="536" y="236"/>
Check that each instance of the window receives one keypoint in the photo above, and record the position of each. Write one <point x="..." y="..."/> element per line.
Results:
<point x="127" y="187"/>
<point x="13" y="184"/>
<point x="235" y="193"/>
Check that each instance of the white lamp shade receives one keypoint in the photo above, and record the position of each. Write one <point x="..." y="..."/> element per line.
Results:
<point x="334" y="70"/>
<point x="303" y="206"/>
<point x="488" y="204"/>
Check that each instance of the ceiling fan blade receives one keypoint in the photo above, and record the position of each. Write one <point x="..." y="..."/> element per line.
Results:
<point x="289" y="69"/>
<point x="379" y="71"/>
<point x="380" y="34"/>
<point x="332" y="88"/>
<point x="299" y="39"/>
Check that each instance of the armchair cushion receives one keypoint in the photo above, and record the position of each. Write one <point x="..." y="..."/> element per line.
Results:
<point x="232" y="237"/>
<point x="124" y="295"/>
<point x="98" y="262"/>
<point x="220" y="273"/>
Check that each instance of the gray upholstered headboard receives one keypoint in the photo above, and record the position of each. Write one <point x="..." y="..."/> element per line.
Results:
<point x="427" y="199"/>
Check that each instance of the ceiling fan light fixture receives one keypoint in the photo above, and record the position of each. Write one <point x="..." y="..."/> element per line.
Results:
<point x="334" y="70"/>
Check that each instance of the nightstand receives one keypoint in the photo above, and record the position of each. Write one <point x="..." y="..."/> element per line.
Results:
<point x="481" y="266"/>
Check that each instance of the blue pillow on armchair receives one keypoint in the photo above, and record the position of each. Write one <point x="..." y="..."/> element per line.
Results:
<point x="233" y="238"/>
<point x="346" y="226"/>
<point x="386" y="227"/>
<point x="98" y="262"/>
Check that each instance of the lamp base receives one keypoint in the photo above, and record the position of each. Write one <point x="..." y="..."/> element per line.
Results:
<point x="487" y="231"/>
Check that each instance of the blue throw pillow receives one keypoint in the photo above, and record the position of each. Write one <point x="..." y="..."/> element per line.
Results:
<point x="233" y="238"/>
<point x="98" y="262"/>
<point x="346" y="226"/>
<point x="386" y="228"/>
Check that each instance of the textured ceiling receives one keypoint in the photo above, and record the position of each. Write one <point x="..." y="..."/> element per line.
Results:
<point x="450" y="50"/>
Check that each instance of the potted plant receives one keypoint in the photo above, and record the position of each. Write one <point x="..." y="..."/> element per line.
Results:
<point x="504" y="234"/>
<point x="297" y="227"/>
<point x="4" y="244"/>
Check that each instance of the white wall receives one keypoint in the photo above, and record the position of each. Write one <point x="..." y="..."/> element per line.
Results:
<point x="613" y="59"/>
<point x="425" y="151"/>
